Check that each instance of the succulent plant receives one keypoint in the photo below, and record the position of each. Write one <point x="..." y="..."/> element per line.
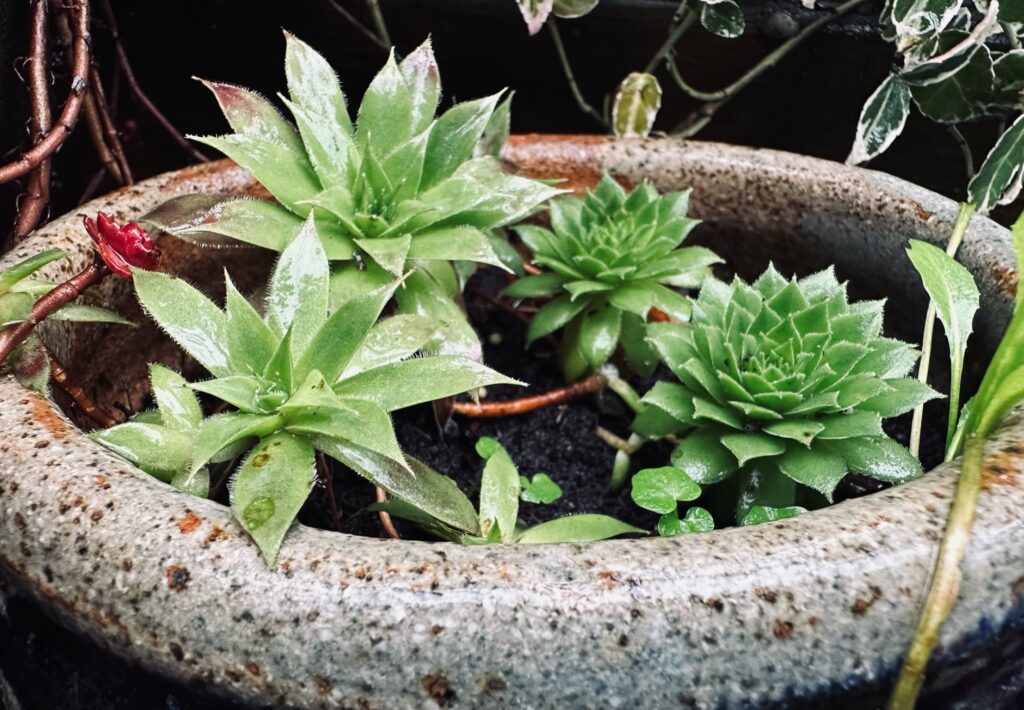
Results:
<point x="501" y="488"/>
<point x="393" y="189"/>
<point x="783" y="382"/>
<point x="608" y="258"/>
<point x="303" y="378"/>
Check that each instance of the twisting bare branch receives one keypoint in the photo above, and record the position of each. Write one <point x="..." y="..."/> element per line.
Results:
<point x="136" y="90"/>
<point x="30" y="159"/>
<point x="63" y="379"/>
<point x="110" y="133"/>
<point x="37" y="193"/>
<point x="385" y="519"/>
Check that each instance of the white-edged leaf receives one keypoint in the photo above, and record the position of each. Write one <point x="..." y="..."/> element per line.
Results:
<point x="881" y="120"/>
<point x="1000" y="169"/>
<point x="636" y="105"/>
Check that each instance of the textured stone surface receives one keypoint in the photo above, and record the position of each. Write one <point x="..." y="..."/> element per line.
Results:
<point x="811" y="607"/>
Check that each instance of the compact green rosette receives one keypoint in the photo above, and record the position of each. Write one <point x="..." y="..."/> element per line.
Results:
<point x="392" y="189"/>
<point x="304" y="377"/>
<point x="608" y="258"/>
<point x="782" y="382"/>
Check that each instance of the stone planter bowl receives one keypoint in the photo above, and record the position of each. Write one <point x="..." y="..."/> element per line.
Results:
<point x="816" y="607"/>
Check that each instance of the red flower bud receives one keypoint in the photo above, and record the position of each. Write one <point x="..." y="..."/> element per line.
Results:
<point x="122" y="246"/>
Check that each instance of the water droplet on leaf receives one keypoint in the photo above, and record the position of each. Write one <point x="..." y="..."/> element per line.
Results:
<point x="257" y="513"/>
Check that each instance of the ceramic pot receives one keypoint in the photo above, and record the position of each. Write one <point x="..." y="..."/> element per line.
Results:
<point x="816" y="607"/>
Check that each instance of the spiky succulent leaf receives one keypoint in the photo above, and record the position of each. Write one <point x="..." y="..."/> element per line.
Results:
<point x="396" y="187"/>
<point x="782" y="376"/>
<point x="303" y="377"/>
<point x="608" y="259"/>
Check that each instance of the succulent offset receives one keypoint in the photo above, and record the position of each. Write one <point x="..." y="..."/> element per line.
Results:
<point x="609" y="258"/>
<point x="782" y="382"/>
<point x="393" y="189"/>
<point x="303" y="378"/>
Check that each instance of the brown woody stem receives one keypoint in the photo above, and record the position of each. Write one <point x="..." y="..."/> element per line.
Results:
<point x="33" y="157"/>
<point x="37" y="192"/>
<point x="511" y="407"/>
<point x="63" y="379"/>
<point x="385" y="518"/>
<point x="58" y="297"/>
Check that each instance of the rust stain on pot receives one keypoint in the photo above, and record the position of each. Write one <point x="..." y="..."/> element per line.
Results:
<point x="922" y="214"/>
<point x="178" y="578"/>
<point x="438" y="688"/>
<point x="189" y="522"/>
<point x="577" y="160"/>
<point x="46" y="416"/>
<point x="323" y="686"/>
<point x="782" y="629"/>
<point x="1007" y="278"/>
<point x="768" y="595"/>
<point x="860" y="605"/>
<point x="1003" y="468"/>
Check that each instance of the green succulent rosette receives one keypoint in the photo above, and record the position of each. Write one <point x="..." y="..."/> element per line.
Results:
<point x="392" y="191"/>
<point x="784" y="383"/>
<point x="608" y="259"/>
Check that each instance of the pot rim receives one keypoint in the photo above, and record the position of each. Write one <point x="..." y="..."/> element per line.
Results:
<point x="133" y="563"/>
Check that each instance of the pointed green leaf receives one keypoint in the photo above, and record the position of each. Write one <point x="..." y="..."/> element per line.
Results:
<point x="422" y="295"/>
<point x="1000" y="170"/>
<point x="80" y="313"/>
<point x="251" y="343"/>
<point x="879" y="457"/>
<point x="313" y="85"/>
<point x="270" y="488"/>
<point x="222" y="430"/>
<point x="297" y="299"/>
<point x="287" y="179"/>
<point x="454" y="244"/>
<point x="389" y="253"/>
<point x="816" y="468"/>
<point x="746" y="447"/>
<point x="360" y="423"/>
<point x="179" y="409"/>
<point x="419" y="69"/>
<point x="588" y="527"/>
<point x="540" y="489"/>
<point x="158" y="450"/>
<point x="26" y="267"/>
<point x="636" y="106"/>
<point x="702" y="457"/>
<point x="391" y="340"/>
<point x="881" y="120"/>
<point x="240" y="391"/>
<point x="189" y="317"/>
<point x="499" y="491"/>
<point x="599" y="335"/>
<point x="800" y="430"/>
<point x="252" y="116"/>
<point x="453" y="138"/>
<point x="554" y="315"/>
<point x="899" y="397"/>
<point x="385" y="115"/>
<point x="767" y="514"/>
<point x="547" y="284"/>
<point x="424" y="379"/>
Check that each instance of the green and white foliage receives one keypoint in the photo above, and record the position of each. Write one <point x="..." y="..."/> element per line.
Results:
<point x="536" y="12"/>
<point x="782" y="382"/>
<point x="952" y="73"/>
<point x="608" y="258"/>
<point x="391" y="188"/>
<point x="501" y="488"/>
<point x="302" y="378"/>
<point x="19" y="291"/>
<point x="636" y="106"/>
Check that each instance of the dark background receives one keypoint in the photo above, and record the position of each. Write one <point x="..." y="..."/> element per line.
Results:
<point x="808" y="104"/>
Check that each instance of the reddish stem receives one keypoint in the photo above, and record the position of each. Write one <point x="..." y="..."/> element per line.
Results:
<point x="37" y="192"/>
<point x="511" y="407"/>
<point x="59" y="296"/>
<point x="32" y="158"/>
<point x="63" y="379"/>
<point x="327" y="480"/>
<point x="385" y="519"/>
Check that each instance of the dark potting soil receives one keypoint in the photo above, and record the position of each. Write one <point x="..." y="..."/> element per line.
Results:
<point x="559" y="441"/>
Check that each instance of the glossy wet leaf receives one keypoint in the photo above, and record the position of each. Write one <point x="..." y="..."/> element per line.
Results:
<point x="190" y="318"/>
<point x="28" y="266"/>
<point x="696" y="520"/>
<point x="360" y="423"/>
<point x="499" y="491"/>
<point x="297" y="297"/>
<point x="223" y="430"/>
<point x="403" y="384"/>
<point x="270" y="488"/>
<point x="389" y="341"/>
<point x="722" y="17"/>
<point x="422" y="295"/>
<point x="539" y="489"/>
<point x="158" y="450"/>
<point x="962" y="95"/>
<point x="881" y="120"/>
<point x="661" y="489"/>
<point x="766" y="514"/>
<point x="1000" y="169"/>
<point x="587" y="527"/>
<point x="179" y="409"/>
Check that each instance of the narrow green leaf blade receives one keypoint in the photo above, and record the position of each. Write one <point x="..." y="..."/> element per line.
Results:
<point x="587" y="527"/>
<point x="499" y="491"/>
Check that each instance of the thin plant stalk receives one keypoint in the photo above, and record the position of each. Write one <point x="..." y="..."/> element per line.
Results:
<point x="522" y="405"/>
<point x="354" y="21"/>
<point x="682" y="20"/>
<point x="378" y="21"/>
<point x="963" y="220"/>
<point x="702" y="116"/>
<point x="570" y="76"/>
<point x="945" y="577"/>
<point x="37" y="192"/>
<point x="59" y="296"/>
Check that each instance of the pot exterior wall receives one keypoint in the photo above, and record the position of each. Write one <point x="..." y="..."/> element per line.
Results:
<point x="809" y="608"/>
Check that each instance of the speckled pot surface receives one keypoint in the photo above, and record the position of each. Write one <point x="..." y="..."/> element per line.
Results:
<point x="820" y="606"/>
